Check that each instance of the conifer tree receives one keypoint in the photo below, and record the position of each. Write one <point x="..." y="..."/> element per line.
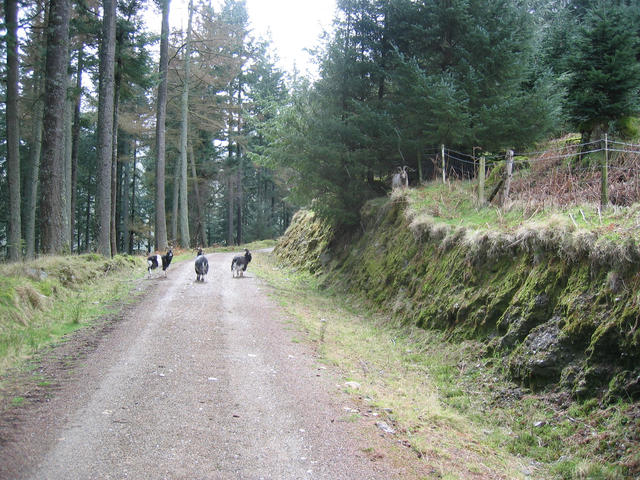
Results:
<point x="160" y="216"/>
<point x="605" y="71"/>
<point x="52" y="173"/>
<point x="13" y="131"/>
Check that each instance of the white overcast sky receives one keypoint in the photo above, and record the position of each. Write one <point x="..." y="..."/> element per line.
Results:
<point x="292" y="26"/>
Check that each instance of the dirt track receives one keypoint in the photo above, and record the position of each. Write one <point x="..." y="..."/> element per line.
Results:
<point x="197" y="381"/>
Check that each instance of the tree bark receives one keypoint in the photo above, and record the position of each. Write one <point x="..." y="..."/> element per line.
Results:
<point x="161" y="219"/>
<point x="230" y="196"/>
<point x="32" y="180"/>
<point x="240" y="197"/>
<point x="75" y="141"/>
<point x="132" y="216"/>
<point x="125" y="202"/>
<point x="114" y="159"/>
<point x="133" y="194"/>
<point x="57" y="62"/>
<point x="240" y="193"/>
<point x="68" y="147"/>
<point x="175" y="202"/>
<point x="87" y="223"/>
<point x="184" y="133"/>
<point x="13" y="132"/>
<point x="199" y="238"/>
<point x="31" y="184"/>
<point x="229" y="172"/>
<point x="105" y="126"/>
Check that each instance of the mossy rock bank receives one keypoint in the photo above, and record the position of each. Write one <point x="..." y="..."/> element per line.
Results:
<point x="559" y="320"/>
<point x="305" y="243"/>
<point x="30" y="288"/>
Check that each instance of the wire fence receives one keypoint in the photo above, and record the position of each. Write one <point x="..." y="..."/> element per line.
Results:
<point x="604" y="171"/>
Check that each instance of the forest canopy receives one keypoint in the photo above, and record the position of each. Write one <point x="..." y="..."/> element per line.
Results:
<point x="111" y="149"/>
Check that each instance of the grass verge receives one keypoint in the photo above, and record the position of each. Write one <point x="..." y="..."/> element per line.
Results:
<point x="44" y="300"/>
<point x="450" y="403"/>
<point x="455" y="204"/>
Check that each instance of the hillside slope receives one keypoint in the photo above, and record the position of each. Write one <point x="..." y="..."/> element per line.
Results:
<point x="561" y="309"/>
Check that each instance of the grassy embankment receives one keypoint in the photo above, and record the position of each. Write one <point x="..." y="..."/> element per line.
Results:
<point x="44" y="300"/>
<point x="480" y="283"/>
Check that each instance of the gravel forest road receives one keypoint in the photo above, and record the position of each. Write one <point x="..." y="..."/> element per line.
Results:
<point x="196" y="381"/>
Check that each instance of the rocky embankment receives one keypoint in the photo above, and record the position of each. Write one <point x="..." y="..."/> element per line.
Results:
<point x="562" y="312"/>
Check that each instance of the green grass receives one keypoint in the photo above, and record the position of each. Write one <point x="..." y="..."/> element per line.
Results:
<point x="450" y="402"/>
<point x="43" y="301"/>
<point x="257" y="245"/>
<point x="455" y="204"/>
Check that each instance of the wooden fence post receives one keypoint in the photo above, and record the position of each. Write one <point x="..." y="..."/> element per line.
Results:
<point x="507" y="180"/>
<point x="481" y="182"/>
<point x="444" y="165"/>
<point x="604" y="179"/>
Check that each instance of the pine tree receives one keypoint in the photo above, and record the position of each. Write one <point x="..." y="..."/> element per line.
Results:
<point x="605" y="70"/>
<point x="184" y="137"/>
<point x="106" y="127"/>
<point x="160" y="217"/>
<point x="52" y="174"/>
<point x="13" y="131"/>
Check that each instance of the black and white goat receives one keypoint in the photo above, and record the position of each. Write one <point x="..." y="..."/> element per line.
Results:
<point x="239" y="263"/>
<point x="202" y="266"/>
<point x="155" y="261"/>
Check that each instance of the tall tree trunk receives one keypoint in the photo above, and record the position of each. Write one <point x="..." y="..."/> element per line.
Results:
<point x="199" y="238"/>
<point x="240" y="198"/>
<point x="87" y="225"/>
<point x="184" y="133"/>
<point x="175" y="202"/>
<point x="105" y="126"/>
<point x="13" y="132"/>
<point x="132" y="216"/>
<point x="230" y="199"/>
<point x="385" y="47"/>
<point x="124" y="195"/>
<point x="32" y="180"/>
<point x="240" y="193"/>
<point x="31" y="184"/>
<point x="68" y="141"/>
<point x="161" y="219"/>
<point x="75" y="141"/>
<point x="57" y="61"/>
<point x="274" y="215"/>
<point x="230" y="172"/>
<point x="114" y="159"/>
